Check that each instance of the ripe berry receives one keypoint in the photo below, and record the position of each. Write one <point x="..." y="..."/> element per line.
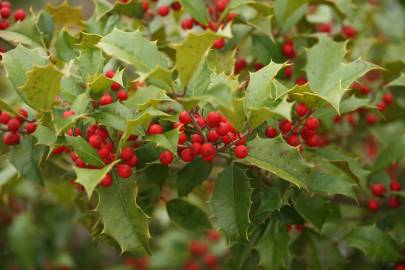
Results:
<point x="349" y="31"/>
<point x="13" y="125"/>
<point x="95" y="141"/>
<point x="68" y="113"/>
<point x="155" y="129"/>
<point x="312" y="141"/>
<point x="122" y="95"/>
<point x="74" y="132"/>
<point x="214" y="235"/>
<point x="293" y="140"/>
<point x="196" y="149"/>
<point x="104" y="152"/>
<point x="5" y="12"/>
<point x="30" y="127"/>
<point x="187" y="155"/>
<point x="4" y="118"/>
<point x="145" y="5"/>
<point x="133" y="161"/>
<point x="207" y="150"/>
<point x="312" y="123"/>
<point x="395" y="186"/>
<point x="124" y="171"/>
<point x="191" y="265"/>
<point x="288" y="72"/>
<point x="400" y="267"/>
<point x="241" y="151"/>
<point x="394" y="202"/>
<point x="219" y="43"/>
<point x="19" y="15"/>
<point x="301" y="110"/>
<point x="231" y="16"/>
<point x="373" y="205"/>
<point x="388" y="98"/>
<point x="213" y="119"/>
<point x="381" y="106"/>
<point x="185" y="118"/>
<point x="371" y="118"/>
<point x="106" y="99"/>
<point x="115" y="86"/>
<point x="187" y="24"/>
<point x="4" y="25"/>
<point x="223" y="128"/>
<point x="163" y="10"/>
<point x="301" y="80"/>
<point x="198" y="249"/>
<point x="325" y="28"/>
<point x="240" y="64"/>
<point x="211" y="261"/>
<point x="289" y="50"/>
<point x="166" y="157"/>
<point x="58" y="150"/>
<point x="110" y="73"/>
<point x="182" y="138"/>
<point x="127" y="154"/>
<point x="197" y="138"/>
<point x="377" y="189"/>
<point x="176" y="6"/>
<point x="212" y="136"/>
<point x="285" y="126"/>
<point x="10" y="138"/>
<point x="106" y="181"/>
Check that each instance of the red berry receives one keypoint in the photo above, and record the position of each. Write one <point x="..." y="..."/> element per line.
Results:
<point x="207" y="150"/>
<point x="74" y="132"/>
<point x="68" y="113"/>
<point x="212" y="136"/>
<point x="231" y="16"/>
<point x="133" y="161"/>
<point x="13" y="125"/>
<point x="163" y="10"/>
<point x="58" y="150"/>
<point x="106" y="181"/>
<point x="214" y="235"/>
<point x="381" y="106"/>
<point x="5" y="117"/>
<point x="197" y="138"/>
<point x="395" y="186"/>
<point x="299" y="227"/>
<point x="349" y="31"/>
<point x="240" y="64"/>
<point x="377" y="189"/>
<point x="110" y="73"/>
<point x="30" y="127"/>
<point x="373" y="205"/>
<point x="285" y="126"/>
<point x="293" y="140"/>
<point x="185" y="118"/>
<point x="176" y="6"/>
<point x="371" y="118"/>
<point x="95" y="141"/>
<point x="4" y="25"/>
<point x="5" y="4"/>
<point x="198" y="249"/>
<point x="106" y="99"/>
<point x="312" y="123"/>
<point x="301" y="80"/>
<point x="122" y="95"/>
<point x="127" y="154"/>
<point x="219" y="43"/>
<point x="182" y="138"/>
<point x="11" y="138"/>
<point x="223" y="128"/>
<point x="166" y="157"/>
<point x="325" y="27"/>
<point x="213" y="119"/>
<point x="394" y="202"/>
<point x="196" y="149"/>
<point x="115" y="86"/>
<point x="191" y="265"/>
<point x="155" y="129"/>
<point x="388" y="98"/>
<point x="145" y="5"/>
<point x="271" y="132"/>
<point x="288" y="72"/>
<point x="211" y="261"/>
<point x="104" y="152"/>
<point x="187" y="155"/>
<point x="5" y="12"/>
<point x="19" y="15"/>
<point x="124" y="170"/>
<point x="102" y="132"/>
<point x="289" y="50"/>
<point x="312" y="141"/>
<point x="91" y="130"/>
<point x="187" y="24"/>
<point x="400" y="267"/>
<point x="241" y="151"/>
<point x="301" y="110"/>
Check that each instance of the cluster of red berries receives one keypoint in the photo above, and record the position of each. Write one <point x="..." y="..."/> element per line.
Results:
<point x="137" y="264"/>
<point x="386" y="100"/>
<point x="298" y="227"/>
<point x="378" y="190"/>
<point x="305" y="127"/>
<point x="117" y="91"/>
<point x="201" y="258"/>
<point x="15" y="126"/>
<point x="204" y="137"/>
<point x="6" y="12"/>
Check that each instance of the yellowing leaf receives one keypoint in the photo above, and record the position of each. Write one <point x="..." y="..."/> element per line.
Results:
<point x="66" y="15"/>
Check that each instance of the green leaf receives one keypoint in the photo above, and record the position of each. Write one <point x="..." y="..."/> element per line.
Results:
<point x="132" y="48"/>
<point x="90" y="62"/>
<point x="313" y="209"/>
<point x="42" y="86"/>
<point x="277" y="157"/>
<point x="45" y="135"/>
<point x="400" y="81"/>
<point x="289" y="12"/>
<point x="19" y="61"/>
<point x="190" y="53"/>
<point x="374" y="243"/>
<point x="132" y="8"/>
<point x="328" y="74"/>
<point x="231" y="202"/>
<point x="26" y="158"/>
<point x="392" y="152"/>
<point x="192" y="175"/>
<point x="273" y="246"/>
<point x="197" y="9"/>
<point x="66" y="15"/>
<point x="26" y="33"/>
<point x="6" y="107"/>
<point x="187" y="215"/>
<point x="168" y="140"/>
<point x="147" y="96"/>
<point x="123" y="219"/>
<point x="84" y="150"/>
<point x="90" y="178"/>
<point x="64" y="45"/>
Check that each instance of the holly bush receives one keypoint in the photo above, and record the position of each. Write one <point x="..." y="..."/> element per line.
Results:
<point x="193" y="134"/>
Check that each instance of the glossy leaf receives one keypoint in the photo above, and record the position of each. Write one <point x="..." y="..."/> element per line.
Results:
<point x="84" y="150"/>
<point x="192" y="175"/>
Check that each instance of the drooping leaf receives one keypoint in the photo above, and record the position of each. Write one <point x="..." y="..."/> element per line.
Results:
<point x="84" y="150"/>
<point x="43" y="84"/>
<point x="132" y="48"/>
<point x="374" y="243"/>
<point x="122" y="218"/>
<point x="90" y="178"/>
<point x="277" y="157"/>
<point x="192" y="175"/>
<point x="273" y="246"/>
<point x="187" y="215"/>
<point x="231" y="202"/>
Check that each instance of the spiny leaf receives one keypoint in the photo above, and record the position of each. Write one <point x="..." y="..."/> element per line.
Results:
<point x="41" y="87"/>
<point x="66" y="14"/>
<point x="84" y="150"/>
<point x="123" y="219"/>
<point x="231" y="202"/>
<point x="313" y="209"/>
<point x="134" y="49"/>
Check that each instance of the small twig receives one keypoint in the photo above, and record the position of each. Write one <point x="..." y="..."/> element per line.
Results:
<point x="196" y="126"/>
